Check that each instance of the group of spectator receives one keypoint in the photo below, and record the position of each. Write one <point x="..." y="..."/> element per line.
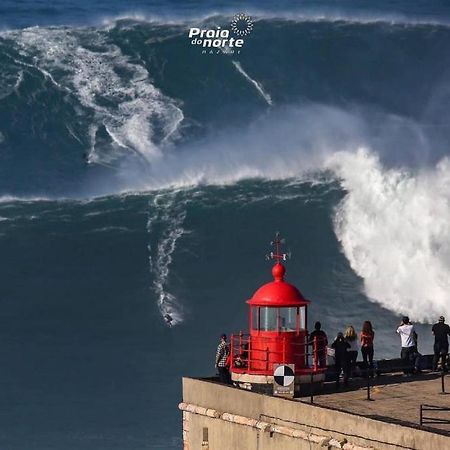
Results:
<point x="410" y="354"/>
<point x="345" y="347"/>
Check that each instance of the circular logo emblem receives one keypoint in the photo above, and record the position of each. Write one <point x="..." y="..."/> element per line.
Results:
<point x="242" y="24"/>
<point x="284" y="376"/>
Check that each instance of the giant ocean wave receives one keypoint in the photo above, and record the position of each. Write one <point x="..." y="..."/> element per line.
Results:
<point x="358" y="102"/>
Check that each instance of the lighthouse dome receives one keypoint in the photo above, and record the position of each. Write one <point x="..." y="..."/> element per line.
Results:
<point x="278" y="292"/>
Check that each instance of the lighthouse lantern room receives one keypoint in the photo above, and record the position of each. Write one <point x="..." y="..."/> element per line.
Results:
<point x="278" y="333"/>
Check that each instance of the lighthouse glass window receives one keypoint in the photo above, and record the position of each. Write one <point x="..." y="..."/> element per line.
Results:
<point x="288" y="319"/>
<point x="278" y="319"/>
<point x="268" y="319"/>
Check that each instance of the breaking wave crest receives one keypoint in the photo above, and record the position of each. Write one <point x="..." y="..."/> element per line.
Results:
<point x="394" y="227"/>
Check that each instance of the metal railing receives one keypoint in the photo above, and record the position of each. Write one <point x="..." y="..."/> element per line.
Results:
<point x="443" y="382"/>
<point x="425" y="420"/>
<point x="258" y="354"/>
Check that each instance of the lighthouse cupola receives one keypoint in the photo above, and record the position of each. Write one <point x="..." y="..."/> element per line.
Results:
<point x="278" y="332"/>
<point x="278" y="306"/>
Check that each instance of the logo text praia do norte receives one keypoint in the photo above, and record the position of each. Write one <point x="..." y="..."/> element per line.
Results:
<point x="220" y="40"/>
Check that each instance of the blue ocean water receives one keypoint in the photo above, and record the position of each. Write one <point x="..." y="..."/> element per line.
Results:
<point x="140" y="177"/>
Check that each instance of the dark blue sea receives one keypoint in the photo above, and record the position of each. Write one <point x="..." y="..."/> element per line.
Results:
<point x="141" y="176"/>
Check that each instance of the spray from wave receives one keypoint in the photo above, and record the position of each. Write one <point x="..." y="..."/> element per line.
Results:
<point x="393" y="223"/>
<point x="394" y="227"/>
<point x="255" y="83"/>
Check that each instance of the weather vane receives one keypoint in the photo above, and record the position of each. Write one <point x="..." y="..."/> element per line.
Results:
<point x="277" y="243"/>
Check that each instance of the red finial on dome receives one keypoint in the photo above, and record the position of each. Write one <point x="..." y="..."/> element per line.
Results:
<point x="278" y="269"/>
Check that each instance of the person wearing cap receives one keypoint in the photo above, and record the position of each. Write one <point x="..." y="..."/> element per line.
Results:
<point x="408" y="338"/>
<point x="441" y="332"/>
<point x="223" y="350"/>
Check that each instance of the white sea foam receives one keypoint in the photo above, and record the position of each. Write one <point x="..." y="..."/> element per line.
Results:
<point x="394" y="227"/>
<point x="167" y="213"/>
<point x="18" y="81"/>
<point x="258" y="86"/>
<point x="302" y="14"/>
<point x="127" y="106"/>
<point x="111" y="228"/>
<point x="351" y="17"/>
<point x="25" y="199"/>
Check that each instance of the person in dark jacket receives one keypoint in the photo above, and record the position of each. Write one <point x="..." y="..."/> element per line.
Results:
<point x="441" y="332"/>
<point x="340" y="346"/>
<point x="321" y="341"/>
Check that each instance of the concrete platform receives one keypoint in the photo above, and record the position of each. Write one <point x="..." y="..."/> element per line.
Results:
<point x="395" y="399"/>
<point x="222" y="417"/>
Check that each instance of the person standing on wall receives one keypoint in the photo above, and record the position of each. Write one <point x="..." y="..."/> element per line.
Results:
<point x="408" y="338"/>
<point x="441" y="332"/>
<point x="223" y="350"/>
<point x="367" y="336"/>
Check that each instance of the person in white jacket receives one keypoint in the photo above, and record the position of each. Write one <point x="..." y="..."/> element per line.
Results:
<point x="408" y="338"/>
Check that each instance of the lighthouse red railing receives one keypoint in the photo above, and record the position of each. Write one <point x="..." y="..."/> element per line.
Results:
<point x="258" y="355"/>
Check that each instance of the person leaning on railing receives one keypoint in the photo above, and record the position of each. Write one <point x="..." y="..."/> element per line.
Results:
<point x="241" y="360"/>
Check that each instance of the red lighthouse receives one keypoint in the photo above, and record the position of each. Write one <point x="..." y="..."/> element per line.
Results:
<point x="278" y="334"/>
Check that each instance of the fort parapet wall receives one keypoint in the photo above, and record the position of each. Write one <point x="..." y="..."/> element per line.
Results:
<point x="219" y="417"/>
